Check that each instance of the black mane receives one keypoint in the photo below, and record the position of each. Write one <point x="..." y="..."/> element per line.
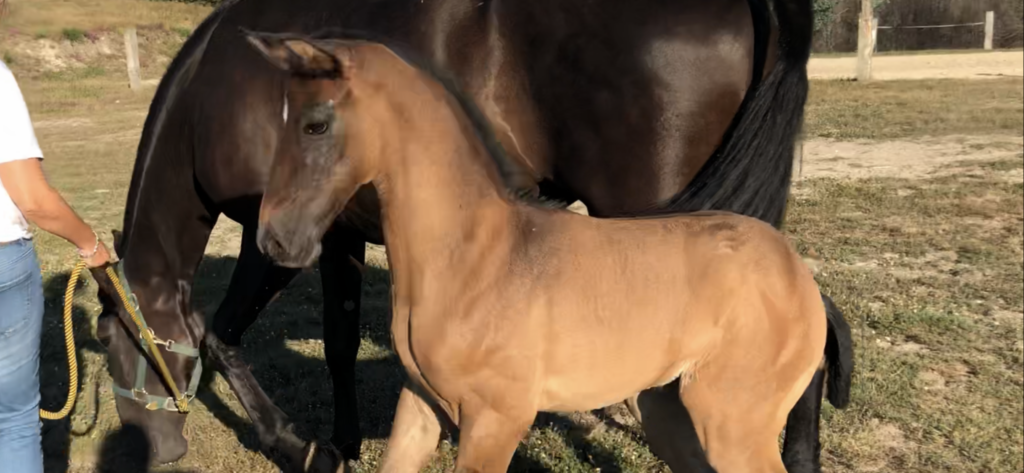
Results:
<point x="512" y="173"/>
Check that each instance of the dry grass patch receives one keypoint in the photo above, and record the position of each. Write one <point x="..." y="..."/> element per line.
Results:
<point x="52" y="17"/>
<point x="848" y="110"/>
<point x="939" y="379"/>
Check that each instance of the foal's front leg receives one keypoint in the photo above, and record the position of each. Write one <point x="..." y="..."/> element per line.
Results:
<point x="414" y="435"/>
<point x="488" y="438"/>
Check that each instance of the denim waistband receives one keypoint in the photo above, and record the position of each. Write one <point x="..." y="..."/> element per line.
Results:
<point x="18" y="242"/>
<point x="12" y="252"/>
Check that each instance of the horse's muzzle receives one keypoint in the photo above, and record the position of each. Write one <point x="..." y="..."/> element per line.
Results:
<point x="292" y="249"/>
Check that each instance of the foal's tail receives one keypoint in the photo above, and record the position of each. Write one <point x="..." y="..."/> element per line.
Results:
<point x="838" y="356"/>
<point x="750" y="171"/>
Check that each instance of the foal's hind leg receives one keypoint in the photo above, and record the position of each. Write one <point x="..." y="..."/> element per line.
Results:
<point x="739" y="423"/>
<point x="669" y="430"/>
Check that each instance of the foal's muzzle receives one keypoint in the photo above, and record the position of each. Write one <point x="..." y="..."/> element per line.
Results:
<point x="288" y="248"/>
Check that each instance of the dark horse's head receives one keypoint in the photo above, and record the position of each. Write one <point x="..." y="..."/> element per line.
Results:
<point x="328" y="148"/>
<point x="142" y="398"/>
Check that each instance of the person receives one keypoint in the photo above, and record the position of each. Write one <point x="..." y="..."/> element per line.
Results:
<point x="25" y="196"/>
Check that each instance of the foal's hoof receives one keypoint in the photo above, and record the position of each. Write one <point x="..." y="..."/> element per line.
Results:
<point x="324" y="459"/>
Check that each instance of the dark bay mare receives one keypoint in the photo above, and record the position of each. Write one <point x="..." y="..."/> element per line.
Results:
<point x="630" y="107"/>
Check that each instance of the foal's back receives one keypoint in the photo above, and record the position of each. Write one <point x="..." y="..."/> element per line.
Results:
<point x="644" y="301"/>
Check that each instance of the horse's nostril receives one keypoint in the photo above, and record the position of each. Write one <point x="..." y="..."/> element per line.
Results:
<point x="276" y="247"/>
<point x="268" y="242"/>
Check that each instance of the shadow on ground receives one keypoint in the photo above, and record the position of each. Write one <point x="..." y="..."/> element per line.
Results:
<point x="285" y="351"/>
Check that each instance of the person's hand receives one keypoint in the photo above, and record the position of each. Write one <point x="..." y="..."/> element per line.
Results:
<point x="101" y="257"/>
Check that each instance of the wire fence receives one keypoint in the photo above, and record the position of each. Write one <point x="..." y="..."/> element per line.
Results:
<point x="919" y="37"/>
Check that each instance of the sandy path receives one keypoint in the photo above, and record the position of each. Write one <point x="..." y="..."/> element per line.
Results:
<point x="925" y="66"/>
<point x="920" y="158"/>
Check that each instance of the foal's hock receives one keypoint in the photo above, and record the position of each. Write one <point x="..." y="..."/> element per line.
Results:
<point x="503" y="307"/>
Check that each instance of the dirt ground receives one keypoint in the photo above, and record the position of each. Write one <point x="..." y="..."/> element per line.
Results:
<point x="905" y="159"/>
<point x="925" y="66"/>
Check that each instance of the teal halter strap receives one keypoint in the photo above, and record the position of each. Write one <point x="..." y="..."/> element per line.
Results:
<point x="138" y="392"/>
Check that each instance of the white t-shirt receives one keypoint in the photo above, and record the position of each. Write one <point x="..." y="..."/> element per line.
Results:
<point x="17" y="141"/>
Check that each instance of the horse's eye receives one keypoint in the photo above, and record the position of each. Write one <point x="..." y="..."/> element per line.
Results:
<point x="315" y="128"/>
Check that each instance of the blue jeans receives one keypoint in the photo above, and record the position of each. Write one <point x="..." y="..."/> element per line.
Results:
<point x="21" y="320"/>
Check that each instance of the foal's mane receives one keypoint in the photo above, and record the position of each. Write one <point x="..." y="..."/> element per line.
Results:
<point x="511" y="172"/>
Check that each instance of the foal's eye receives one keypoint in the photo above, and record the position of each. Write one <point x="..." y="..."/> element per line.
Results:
<point x="315" y="128"/>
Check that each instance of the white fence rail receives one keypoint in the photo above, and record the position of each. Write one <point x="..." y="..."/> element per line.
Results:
<point x="866" y="51"/>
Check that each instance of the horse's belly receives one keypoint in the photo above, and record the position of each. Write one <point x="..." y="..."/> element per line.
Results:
<point x="597" y="378"/>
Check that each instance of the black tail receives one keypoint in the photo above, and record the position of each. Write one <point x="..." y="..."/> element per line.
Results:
<point x="838" y="355"/>
<point x="750" y="172"/>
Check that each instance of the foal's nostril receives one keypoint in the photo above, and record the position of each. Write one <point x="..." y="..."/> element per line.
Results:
<point x="298" y="250"/>
<point x="267" y="241"/>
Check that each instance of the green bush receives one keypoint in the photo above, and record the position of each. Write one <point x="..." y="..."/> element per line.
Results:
<point x="73" y="35"/>
<point x="182" y="31"/>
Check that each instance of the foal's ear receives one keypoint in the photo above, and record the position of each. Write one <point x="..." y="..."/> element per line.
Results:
<point x="295" y="54"/>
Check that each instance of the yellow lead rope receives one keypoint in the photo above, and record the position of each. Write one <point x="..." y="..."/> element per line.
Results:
<point x="69" y="340"/>
<point x="180" y="401"/>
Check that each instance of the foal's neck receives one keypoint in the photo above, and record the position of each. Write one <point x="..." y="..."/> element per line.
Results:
<point x="440" y="190"/>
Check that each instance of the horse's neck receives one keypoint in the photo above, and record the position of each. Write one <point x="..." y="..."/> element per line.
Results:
<point x="165" y="233"/>
<point x="441" y="198"/>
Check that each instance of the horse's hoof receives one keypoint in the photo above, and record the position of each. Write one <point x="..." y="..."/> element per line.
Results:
<point x="349" y="451"/>
<point x="324" y="459"/>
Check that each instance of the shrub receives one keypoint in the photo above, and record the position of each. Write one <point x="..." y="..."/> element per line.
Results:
<point x="73" y="35"/>
<point x="182" y="31"/>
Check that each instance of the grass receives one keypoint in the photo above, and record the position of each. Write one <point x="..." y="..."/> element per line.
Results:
<point x="44" y="16"/>
<point x="182" y="31"/>
<point x="928" y="272"/>
<point x="930" y="280"/>
<point x="73" y="35"/>
<point x="848" y="110"/>
<point x="924" y="52"/>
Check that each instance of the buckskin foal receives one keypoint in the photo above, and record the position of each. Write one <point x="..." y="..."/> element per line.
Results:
<point x="502" y="308"/>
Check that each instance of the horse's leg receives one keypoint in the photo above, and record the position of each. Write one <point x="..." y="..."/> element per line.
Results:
<point x="801" y="450"/>
<point x="414" y="435"/>
<point x="488" y="438"/>
<point x="272" y="425"/>
<point x="669" y="430"/>
<point x="254" y="282"/>
<point x="342" y="292"/>
<point x="738" y="423"/>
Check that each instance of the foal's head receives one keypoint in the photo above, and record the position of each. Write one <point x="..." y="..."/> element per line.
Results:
<point x="358" y="112"/>
<point x="335" y="137"/>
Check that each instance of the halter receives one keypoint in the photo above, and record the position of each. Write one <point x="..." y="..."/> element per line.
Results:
<point x="148" y="338"/>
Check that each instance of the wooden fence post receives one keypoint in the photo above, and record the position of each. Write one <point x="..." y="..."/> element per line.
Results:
<point x="874" y="35"/>
<point x="798" y="158"/>
<point x="990" y="28"/>
<point x="864" y="46"/>
<point x="131" y="46"/>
